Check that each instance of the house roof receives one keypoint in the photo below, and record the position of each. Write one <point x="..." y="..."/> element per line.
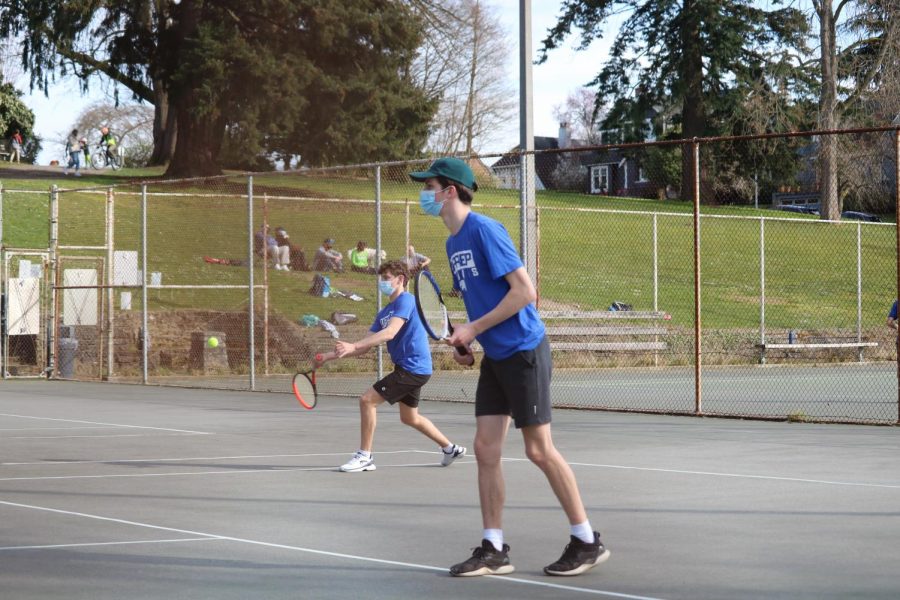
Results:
<point x="545" y="164"/>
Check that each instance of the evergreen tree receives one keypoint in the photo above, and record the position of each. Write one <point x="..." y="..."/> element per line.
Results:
<point x="686" y="54"/>
<point x="15" y="115"/>
<point x="235" y="80"/>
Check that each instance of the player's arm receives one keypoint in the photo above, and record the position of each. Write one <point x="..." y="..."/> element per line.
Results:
<point x="521" y="293"/>
<point x="345" y="349"/>
<point x="892" y="322"/>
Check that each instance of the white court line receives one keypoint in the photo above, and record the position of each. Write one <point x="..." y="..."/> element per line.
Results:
<point x="141" y="460"/>
<point x="229" y="471"/>
<point x="106" y="424"/>
<point x="60" y="546"/>
<point x="470" y="456"/>
<point x="47" y="428"/>
<point x="108" y="435"/>
<point x="735" y="475"/>
<point x="326" y="553"/>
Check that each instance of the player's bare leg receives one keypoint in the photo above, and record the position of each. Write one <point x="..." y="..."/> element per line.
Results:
<point x="410" y="416"/>
<point x="490" y="435"/>
<point x="368" y="417"/>
<point x="540" y="450"/>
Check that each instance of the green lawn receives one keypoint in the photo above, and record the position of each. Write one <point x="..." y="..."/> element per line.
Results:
<point x="587" y="259"/>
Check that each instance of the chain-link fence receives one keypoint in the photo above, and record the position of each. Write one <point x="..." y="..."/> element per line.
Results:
<point x="651" y="302"/>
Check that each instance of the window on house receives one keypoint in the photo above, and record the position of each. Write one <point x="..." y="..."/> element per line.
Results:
<point x="642" y="174"/>
<point x="600" y="179"/>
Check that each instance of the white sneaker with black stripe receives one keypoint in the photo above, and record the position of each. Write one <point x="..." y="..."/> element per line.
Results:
<point x="358" y="462"/>
<point x="449" y="457"/>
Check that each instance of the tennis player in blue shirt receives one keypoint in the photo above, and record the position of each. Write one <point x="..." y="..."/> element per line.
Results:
<point x="514" y="381"/>
<point x="398" y="325"/>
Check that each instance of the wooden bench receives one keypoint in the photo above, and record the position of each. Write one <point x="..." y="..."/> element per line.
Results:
<point x="5" y="152"/>
<point x="798" y="198"/>
<point x="584" y="337"/>
<point x="859" y="345"/>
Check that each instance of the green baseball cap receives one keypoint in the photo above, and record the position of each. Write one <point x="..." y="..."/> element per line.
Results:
<point x="453" y="169"/>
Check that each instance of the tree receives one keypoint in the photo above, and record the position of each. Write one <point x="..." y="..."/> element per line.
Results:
<point x="14" y="114"/>
<point x="849" y="75"/>
<point x="119" y="40"/>
<point x="462" y="63"/>
<point x="580" y="111"/>
<point x="686" y="52"/>
<point x="132" y="124"/>
<point x="322" y="80"/>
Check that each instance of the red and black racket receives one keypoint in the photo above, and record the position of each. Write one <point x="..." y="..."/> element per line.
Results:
<point x="304" y="386"/>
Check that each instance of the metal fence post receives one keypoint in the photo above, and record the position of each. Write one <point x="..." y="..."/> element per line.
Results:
<point x="655" y="264"/>
<point x="698" y="382"/>
<point x="379" y="354"/>
<point x="266" y="289"/>
<point x="762" y="290"/>
<point x="523" y="220"/>
<point x="110" y="281"/>
<point x="897" y="239"/>
<point x="54" y="275"/>
<point x="251" y="345"/>
<point x="859" y="349"/>
<point x="144" y="338"/>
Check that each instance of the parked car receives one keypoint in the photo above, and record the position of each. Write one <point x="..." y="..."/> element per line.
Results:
<point x="807" y="209"/>
<point x="860" y="216"/>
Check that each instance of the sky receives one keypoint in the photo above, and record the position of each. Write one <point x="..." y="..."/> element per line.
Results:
<point x="563" y="72"/>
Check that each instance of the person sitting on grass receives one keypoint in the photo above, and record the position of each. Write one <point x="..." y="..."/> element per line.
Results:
<point x="359" y="259"/>
<point x="327" y="258"/>
<point x="398" y="326"/>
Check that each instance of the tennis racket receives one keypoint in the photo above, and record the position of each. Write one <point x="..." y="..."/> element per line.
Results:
<point x="304" y="386"/>
<point x="432" y="309"/>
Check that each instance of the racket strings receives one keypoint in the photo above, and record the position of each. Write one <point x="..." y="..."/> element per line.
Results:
<point x="304" y="390"/>
<point x="433" y="310"/>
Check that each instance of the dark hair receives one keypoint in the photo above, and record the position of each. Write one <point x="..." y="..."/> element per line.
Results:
<point x="466" y="195"/>
<point x="395" y="267"/>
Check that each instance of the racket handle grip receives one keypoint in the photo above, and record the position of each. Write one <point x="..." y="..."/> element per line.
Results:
<point x="318" y="357"/>
<point x="462" y="350"/>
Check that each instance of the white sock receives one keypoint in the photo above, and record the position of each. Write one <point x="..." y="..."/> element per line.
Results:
<point x="448" y="449"/>
<point x="495" y="537"/>
<point x="365" y="453"/>
<point x="583" y="532"/>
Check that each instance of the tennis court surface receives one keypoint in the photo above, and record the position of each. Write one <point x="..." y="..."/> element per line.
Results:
<point x="118" y="491"/>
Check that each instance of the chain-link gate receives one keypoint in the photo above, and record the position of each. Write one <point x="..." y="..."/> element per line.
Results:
<point x="81" y="317"/>
<point x="26" y="303"/>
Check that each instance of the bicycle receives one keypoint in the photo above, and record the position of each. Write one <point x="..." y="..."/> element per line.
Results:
<point x="104" y="156"/>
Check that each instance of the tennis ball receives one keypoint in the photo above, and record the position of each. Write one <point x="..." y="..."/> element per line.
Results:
<point x="213" y="342"/>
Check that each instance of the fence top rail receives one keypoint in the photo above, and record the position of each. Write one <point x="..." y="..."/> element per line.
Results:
<point x="420" y="160"/>
<point x="365" y="201"/>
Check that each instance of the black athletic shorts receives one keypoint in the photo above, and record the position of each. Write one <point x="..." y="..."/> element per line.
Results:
<point x="401" y="386"/>
<point x="518" y="385"/>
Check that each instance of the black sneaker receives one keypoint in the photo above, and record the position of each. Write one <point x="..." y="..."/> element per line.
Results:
<point x="578" y="557"/>
<point x="485" y="560"/>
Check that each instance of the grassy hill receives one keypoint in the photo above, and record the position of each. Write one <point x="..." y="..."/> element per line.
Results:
<point x="588" y="259"/>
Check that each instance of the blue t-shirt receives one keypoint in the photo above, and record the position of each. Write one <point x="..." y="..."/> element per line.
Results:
<point x="893" y="313"/>
<point x="481" y="255"/>
<point x="409" y="348"/>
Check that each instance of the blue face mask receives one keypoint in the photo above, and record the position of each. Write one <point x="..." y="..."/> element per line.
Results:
<point x="385" y="286"/>
<point x="429" y="204"/>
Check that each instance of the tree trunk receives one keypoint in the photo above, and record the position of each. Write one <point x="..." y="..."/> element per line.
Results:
<point x="693" y="110"/>
<point x="829" y="206"/>
<point x="165" y="126"/>
<point x="199" y="139"/>
<point x="473" y="70"/>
